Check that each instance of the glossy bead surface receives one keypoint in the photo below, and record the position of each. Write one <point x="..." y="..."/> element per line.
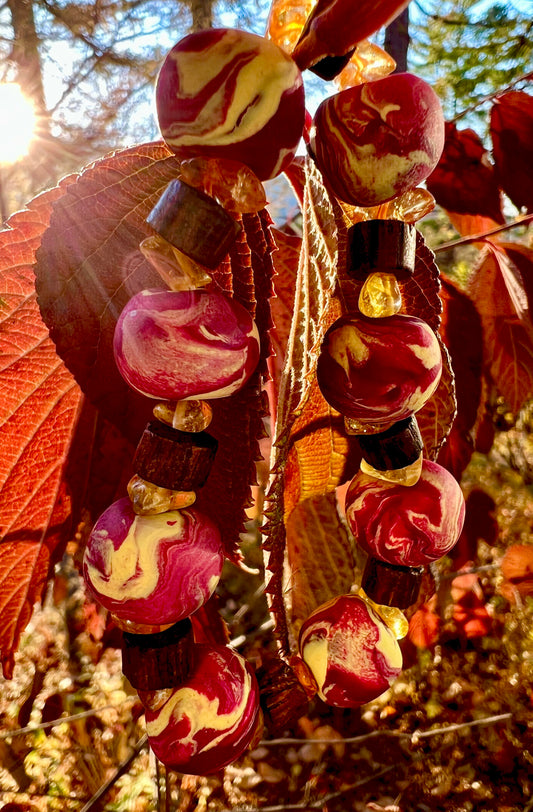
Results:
<point x="352" y="653"/>
<point x="224" y="93"/>
<point x="176" y="345"/>
<point x="210" y="720"/>
<point x="406" y="476"/>
<point x="378" y="371"/>
<point x="376" y="140"/>
<point x="407" y="527"/>
<point x="152" y="569"/>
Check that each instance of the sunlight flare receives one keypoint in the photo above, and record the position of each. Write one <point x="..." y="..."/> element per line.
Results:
<point x="17" y="123"/>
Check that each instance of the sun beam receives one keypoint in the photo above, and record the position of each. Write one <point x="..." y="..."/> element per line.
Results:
<point x="17" y="123"/>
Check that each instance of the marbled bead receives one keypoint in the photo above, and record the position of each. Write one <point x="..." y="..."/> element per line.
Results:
<point x="224" y="93"/>
<point x="178" y="345"/>
<point x="407" y="527"/>
<point x="209" y="720"/>
<point x="377" y="140"/>
<point x="353" y="654"/>
<point x="379" y="371"/>
<point x="152" y="570"/>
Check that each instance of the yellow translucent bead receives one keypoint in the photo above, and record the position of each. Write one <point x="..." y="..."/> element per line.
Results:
<point x="148" y="499"/>
<point x="286" y="21"/>
<point x="138" y="628"/>
<point x="380" y="296"/>
<point x="407" y="476"/>
<point x="185" y="415"/>
<point x="352" y="426"/>
<point x="368" y="62"/>
<point x="411" y="206"/>
<point x="393" y="617"/>
<point x="177" y="270"/>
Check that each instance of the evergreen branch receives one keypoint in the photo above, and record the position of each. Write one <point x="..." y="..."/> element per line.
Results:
<point x="491" y="96"/>
<point x="121" y="769"/>
<point x="527" y="218"/>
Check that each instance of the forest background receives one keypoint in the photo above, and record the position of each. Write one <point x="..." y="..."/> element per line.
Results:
<point x="89" y="70"/>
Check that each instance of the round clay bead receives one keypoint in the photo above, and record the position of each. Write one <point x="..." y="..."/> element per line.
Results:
<point x="152" y="570"/>
<point x="353" y="655"/>
<point x="178" y="345"/>
<point x="209" y="720"/>
<point x="408" y="527"/>
<point x="379" y="370"/>
<point x="379" y="139"/>
<point x="225" y="93"/>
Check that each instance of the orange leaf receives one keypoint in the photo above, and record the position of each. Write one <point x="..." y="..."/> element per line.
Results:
<point x="424" y="625"/>
<point x="39" y="408"/>
<point x="464" y="183"/>
<point x="511" y="124"/>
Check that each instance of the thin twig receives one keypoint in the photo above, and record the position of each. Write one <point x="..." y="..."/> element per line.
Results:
<point x="7" y="734"/>
<point x="527" y="218"/>
<point x="320" y="801"/>
<point x="121" y="769"/>
<point x="424" y="734"/>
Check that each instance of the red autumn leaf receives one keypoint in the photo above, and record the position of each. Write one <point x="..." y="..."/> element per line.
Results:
<point x="517" y="570"/>
<point x="88" y="267"/>
<point x="464" y="183"/>
<point x="38" y="410"/>
<point x="501" y="300"/>
<point x="425" y="624"/>
<point x="511" y="126"/>
<point x="480" y="524"/>
<point x="469" y="611"/>
<point x="462" y="333"/>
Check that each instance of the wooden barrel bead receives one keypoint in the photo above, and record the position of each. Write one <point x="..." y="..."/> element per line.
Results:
<point x="397" y="447"/>
<point x="194" y="223"/>
<point x="384" y="245"/>
<point x="391" y="585"/>
<point x="283" y="697"/>
<point x="162" y="660"/>
<point x="174" y="459"/>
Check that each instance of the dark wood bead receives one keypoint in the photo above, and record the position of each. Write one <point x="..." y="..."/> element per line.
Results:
<point x="390" y="585"/>
<point x="381" y="245"/>
<point x="330" y="66"/>
<point x="399" y="446"/>
<point x="194" y="223"/>
<point x="174" y="459"/>
<point x="162" y="660"/>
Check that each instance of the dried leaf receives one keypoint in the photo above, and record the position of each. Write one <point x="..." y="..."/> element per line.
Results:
<point x="436" y="417"/>
<point x="424" y="625"/>
<point x="286" y="259"/>
<point x="511" y="125"/>
<point x="39" y="408"/>
<point x="502" y="303"/>
<point x="464" y="183"/>
<point x="517" y="570"/>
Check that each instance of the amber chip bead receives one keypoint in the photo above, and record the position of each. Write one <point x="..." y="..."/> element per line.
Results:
<point x="174" y="459"/>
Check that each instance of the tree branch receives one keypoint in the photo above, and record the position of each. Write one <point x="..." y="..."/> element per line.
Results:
<point x="528" y="218"/>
